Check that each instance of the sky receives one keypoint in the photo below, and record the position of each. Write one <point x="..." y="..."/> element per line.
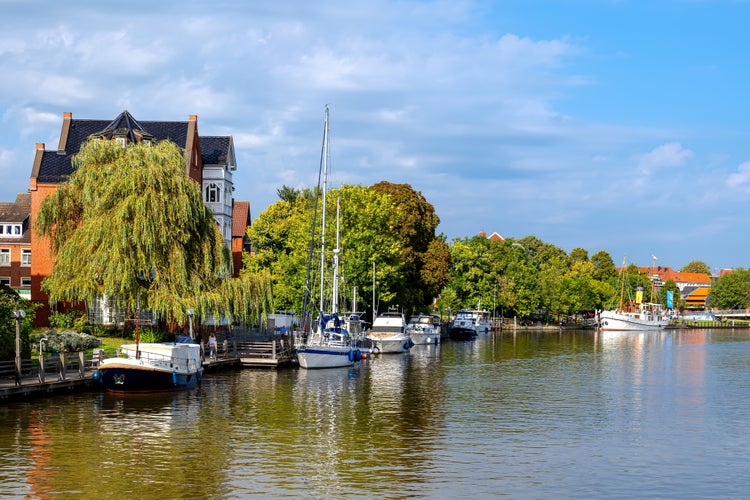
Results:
<point x="615" y="125"/>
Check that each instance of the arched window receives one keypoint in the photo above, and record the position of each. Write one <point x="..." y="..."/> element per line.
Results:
<point x="213" y="193"/>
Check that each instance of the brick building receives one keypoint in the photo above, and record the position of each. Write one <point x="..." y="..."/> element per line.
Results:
<point x="15" y="244"/>
<point x="209" y="161"/>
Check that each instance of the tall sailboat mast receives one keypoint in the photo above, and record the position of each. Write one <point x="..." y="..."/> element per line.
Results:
<point x="622" y="282"/>
<point x="335" y="287"/>
<point x="323" y="217"/>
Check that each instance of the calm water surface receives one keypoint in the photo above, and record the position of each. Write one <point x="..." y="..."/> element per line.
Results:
<point x="573" y="414"/>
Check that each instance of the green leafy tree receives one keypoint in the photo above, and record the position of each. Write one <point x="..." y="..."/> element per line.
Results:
<point x="149" y="240"/>
<point x="287" y="193"/>
<point x="414" y="221"/>
<point x="579" y="255"/>
<point x="282" y="237"/>
<point x="604" y="266"/>
<point x="9" y="302"/>
<point x="731" y="291"/>
<point x="696" y="266"/>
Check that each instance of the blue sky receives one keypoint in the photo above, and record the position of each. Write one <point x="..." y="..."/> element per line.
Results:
<point x="609" y="125"/>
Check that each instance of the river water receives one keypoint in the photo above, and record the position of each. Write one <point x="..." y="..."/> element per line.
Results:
<point x="571" y="414"/>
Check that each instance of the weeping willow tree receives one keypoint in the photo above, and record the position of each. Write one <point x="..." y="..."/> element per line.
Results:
<point x="131" y="226"/>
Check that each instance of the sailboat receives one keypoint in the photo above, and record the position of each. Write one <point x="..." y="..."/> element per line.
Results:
<point x="330" y="344"/>
<point x="640" y="316"/>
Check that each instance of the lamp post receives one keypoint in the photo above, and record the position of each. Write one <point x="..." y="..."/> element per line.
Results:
<point x="190" y="313"/>
<point x="494" y="304"/>
<point x="18" y="314"/>
<point x="41" y="359"/>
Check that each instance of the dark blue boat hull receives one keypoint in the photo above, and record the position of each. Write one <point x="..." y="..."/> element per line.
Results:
<point x="135" y="380"/>
<point x="462" y="334"/>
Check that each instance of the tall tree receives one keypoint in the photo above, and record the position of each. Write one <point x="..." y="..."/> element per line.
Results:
<point x="414" y="220"/>
<point x="696" y="266"/>
<point x="604" y="266"/>
<point x="731" y="291"/>
<point x="148" y="239"/>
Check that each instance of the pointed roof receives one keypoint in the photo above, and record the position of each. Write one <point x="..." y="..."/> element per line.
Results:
<point x="124" y="126"/>
<point x="54" y="166"/>
<point x="240" y="218"/>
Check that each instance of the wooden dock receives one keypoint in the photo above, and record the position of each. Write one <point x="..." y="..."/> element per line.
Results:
<point x="57" y="374"/>
<point x="72" y="371"/>
<point x="266" y="353"/>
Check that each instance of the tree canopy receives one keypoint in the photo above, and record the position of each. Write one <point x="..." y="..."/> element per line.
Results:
<point x="731" y="291"/>
<point x="148" y="239"/>
<point x="387" y="236"/>
<point x="696" y="266"/>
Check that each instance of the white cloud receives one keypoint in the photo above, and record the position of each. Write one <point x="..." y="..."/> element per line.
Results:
<point x="667" y="155"/>
<point x="741" y="178"/>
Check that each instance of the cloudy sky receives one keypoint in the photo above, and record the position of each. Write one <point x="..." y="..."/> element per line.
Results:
<point x="616" y="125"/>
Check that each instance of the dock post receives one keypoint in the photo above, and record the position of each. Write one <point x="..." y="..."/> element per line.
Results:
<point x="61" y="367"/>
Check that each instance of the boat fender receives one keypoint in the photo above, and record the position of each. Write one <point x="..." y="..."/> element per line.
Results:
<point x="351" y="356"/>
<point x="174" y="377"/>
<point x="357" y="355"/>
<point x="97" y="376"/>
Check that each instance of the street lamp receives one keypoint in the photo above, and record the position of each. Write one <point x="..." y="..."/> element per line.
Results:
<point x="19" y="314"/>
<point x="190" y="313"/>
<point x="41" y="359"/>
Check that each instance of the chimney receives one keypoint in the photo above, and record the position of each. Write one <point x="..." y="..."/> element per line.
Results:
<point x="67" y="118"/>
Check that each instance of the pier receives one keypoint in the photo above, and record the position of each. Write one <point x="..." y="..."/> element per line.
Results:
<point x="65" y="372"/>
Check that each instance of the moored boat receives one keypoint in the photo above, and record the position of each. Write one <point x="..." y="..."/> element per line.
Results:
<point x="152" y="367"/>
<point x="330" y="345"/>
<point x="424" y="329"/>
<point x="632" y="316"/>
<point x="468" y="323"/>
<point x="646" y="316"/>
<point x="388" y="333"/>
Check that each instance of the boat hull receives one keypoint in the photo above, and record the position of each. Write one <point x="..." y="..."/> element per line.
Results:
<point x="314" y="357"/>
<point x="425" y="338"/>
<point x="151" y="367"/>
<point x="614" y="321"/>
<point x="458" y="333"/>
<point x="476" y="321"/>
<point x="390" y="345"/>
<point x="123" y="378"/>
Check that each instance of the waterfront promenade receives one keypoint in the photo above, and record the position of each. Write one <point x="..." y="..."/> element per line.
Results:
<point x="74" y="371"/>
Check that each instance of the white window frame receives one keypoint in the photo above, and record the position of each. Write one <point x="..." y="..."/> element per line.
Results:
<point x="5" y="280"/>
<point x="26" y="282"/>
<point x="213" y="190"/>
<point x="5" y="255"/>
<point x="26" y="257"/>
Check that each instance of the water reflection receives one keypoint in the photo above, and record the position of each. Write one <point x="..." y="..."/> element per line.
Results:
<point x="532" y="414"/>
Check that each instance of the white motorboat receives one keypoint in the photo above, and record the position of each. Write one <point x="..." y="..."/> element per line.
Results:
<point x="468" y="323"/>
<point x="424" y="329"/>
<point x="388" y="334"/>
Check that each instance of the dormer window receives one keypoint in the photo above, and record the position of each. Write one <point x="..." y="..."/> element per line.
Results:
<point x="122" y="141"/>
<point x="11" y="230"/>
